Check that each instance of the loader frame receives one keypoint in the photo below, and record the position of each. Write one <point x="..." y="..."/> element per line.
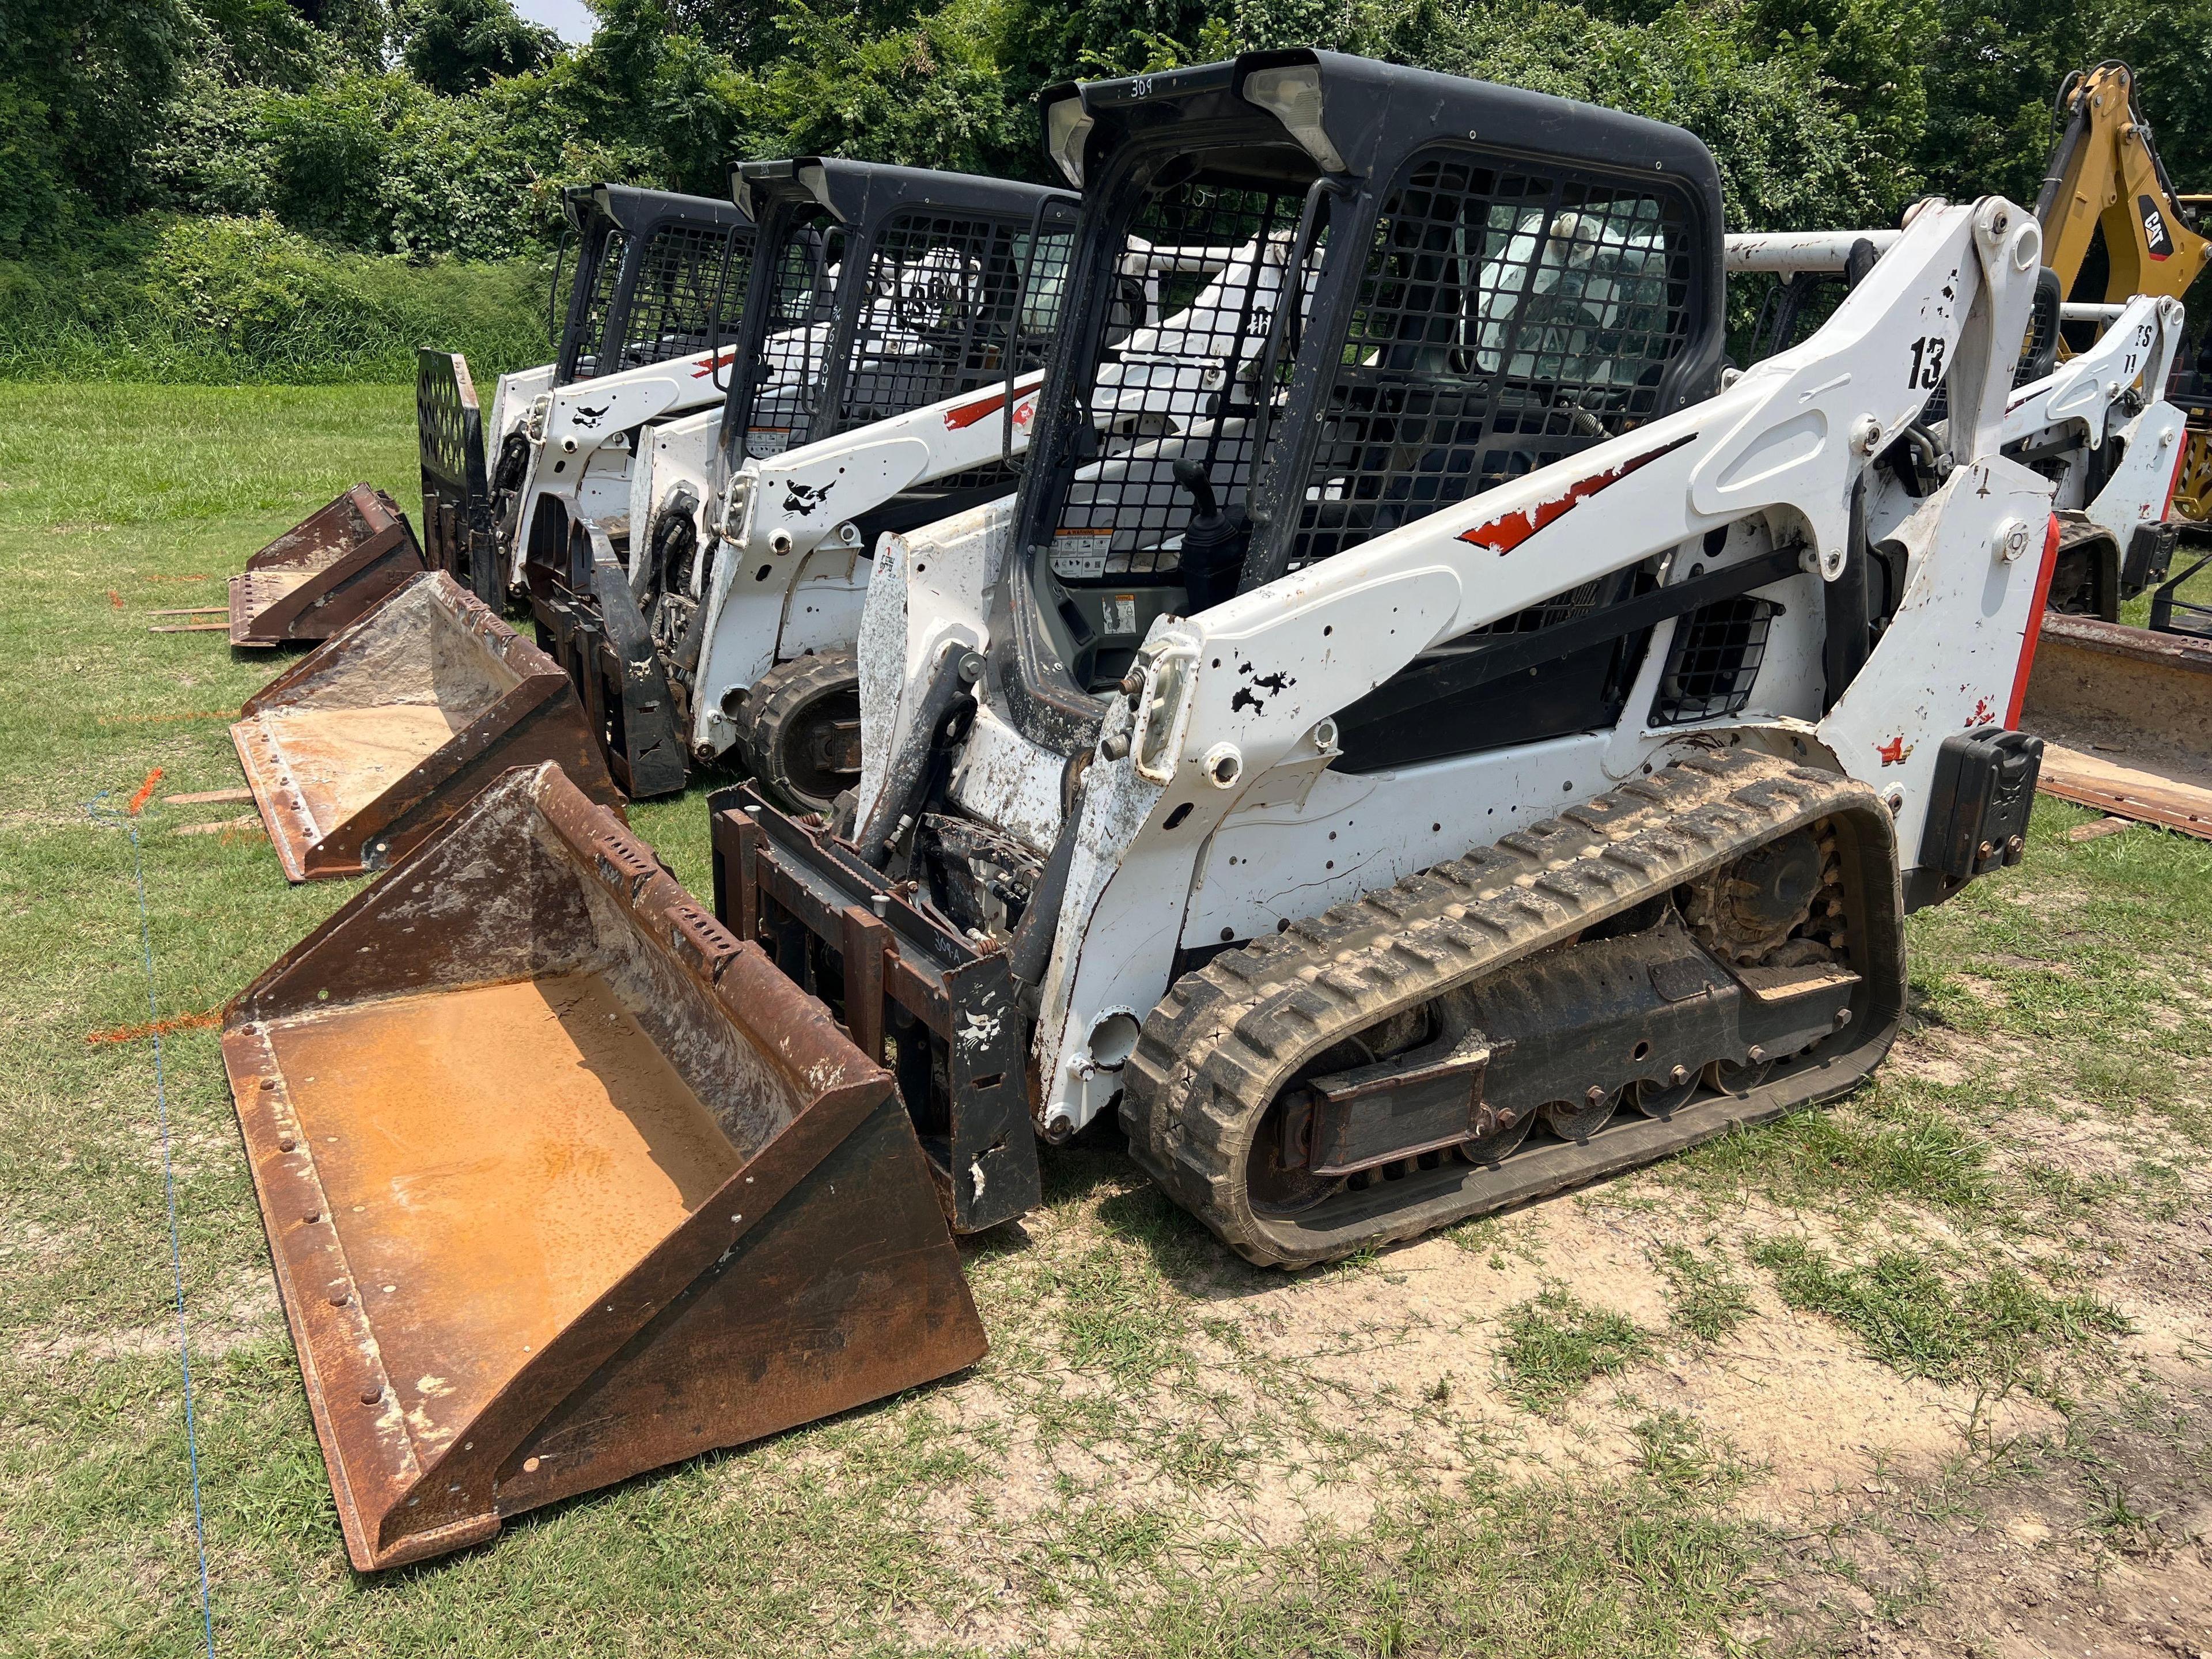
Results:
<point x="880" y="214"/>
<point x="912" y="992"/>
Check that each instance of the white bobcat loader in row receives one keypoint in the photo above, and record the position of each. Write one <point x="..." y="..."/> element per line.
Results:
<point x="778" y="505"/>
<point x="1478" y="753"/>
<point x="876" y="292"/>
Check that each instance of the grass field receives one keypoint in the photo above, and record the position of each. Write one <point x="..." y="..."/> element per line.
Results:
<point x="1930" y="1373"/>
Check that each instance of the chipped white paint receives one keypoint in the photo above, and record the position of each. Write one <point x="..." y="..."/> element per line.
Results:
<point x="979" y="1030"/>
<point x="930" y="593"/>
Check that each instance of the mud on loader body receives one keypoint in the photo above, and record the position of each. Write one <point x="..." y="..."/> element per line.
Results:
<point x="881" y="296"/>
<point x="1473" y="752"/>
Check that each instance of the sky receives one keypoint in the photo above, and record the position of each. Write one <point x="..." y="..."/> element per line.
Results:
<point x="566" y="18"/>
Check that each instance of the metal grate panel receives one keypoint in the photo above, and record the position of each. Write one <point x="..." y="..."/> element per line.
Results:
<point x="680" y="286"/>
<point x="940" y="315"/>
<point x="794" y="350"/>
<point x="1570" y="606"/>
<point x="606" y="281"/>
<point x="1713" y="661"/>
<point x="1505" y="319"/>
<point x="1200" y="271"/>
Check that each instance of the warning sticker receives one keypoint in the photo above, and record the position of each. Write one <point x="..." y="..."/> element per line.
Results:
<point x="1081" y="552"/>
<point x="1120" y="613"/>
<point x="764" y="441"/>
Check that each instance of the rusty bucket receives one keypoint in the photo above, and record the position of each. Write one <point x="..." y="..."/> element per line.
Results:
<point x="380" y="734"/>
<point x="564" y="1183"/>
<point x="324" y="571"/>
<point x="2126" y="716"/>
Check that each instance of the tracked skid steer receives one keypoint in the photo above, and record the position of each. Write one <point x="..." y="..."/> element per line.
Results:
<point x="1481" y="750"/>
<point x="871" y="387"/>
<point x="563" y="1182"/>
<point x="1418" y="738"/>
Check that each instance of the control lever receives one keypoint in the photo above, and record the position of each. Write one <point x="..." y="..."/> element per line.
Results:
<point x="1213" y="544"/>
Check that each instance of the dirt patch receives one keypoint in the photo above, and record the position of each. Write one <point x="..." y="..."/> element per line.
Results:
<point x="2095" y="1542"/>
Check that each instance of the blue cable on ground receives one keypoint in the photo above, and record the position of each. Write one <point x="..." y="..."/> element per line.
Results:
<point x="101" y="814"/>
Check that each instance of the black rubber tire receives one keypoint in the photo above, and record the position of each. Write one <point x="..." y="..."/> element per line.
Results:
<point x="776" y="722"/>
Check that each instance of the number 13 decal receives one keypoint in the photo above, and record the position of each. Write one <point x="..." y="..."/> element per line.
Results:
<point x="1927" y="372"/>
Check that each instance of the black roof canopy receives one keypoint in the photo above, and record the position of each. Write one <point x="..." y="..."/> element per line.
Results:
<point x="1373" y="114"/>
<point x="856" y="192"/>
<point x="634" y="210"/>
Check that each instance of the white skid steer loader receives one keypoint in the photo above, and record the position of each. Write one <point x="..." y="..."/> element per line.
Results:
<point x="651" y="313"/>
<point x="1478" y="752"/>
<point x="1460" y="748"/>
<point x="876" y="292"/>
<point x="786" y="527"/>
<point x="654" y="315"/>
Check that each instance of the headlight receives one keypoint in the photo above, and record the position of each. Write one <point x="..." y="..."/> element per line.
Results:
<point x="1066" y="128"/>
<point x="1292" y="95"/>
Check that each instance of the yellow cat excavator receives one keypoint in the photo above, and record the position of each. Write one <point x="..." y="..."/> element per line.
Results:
<point x="2129" y="712"/>
<point x="2114" y="227"/>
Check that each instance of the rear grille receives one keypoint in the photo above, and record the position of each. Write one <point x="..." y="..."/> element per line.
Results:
<point x="1713" y="661"/>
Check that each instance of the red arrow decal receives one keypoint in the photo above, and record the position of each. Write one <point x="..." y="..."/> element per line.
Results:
<point x="1509" y="530"/>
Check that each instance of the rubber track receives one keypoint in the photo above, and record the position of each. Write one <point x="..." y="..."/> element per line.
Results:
<point x="784" y="689"/>
<point x="1220" y="1045"/>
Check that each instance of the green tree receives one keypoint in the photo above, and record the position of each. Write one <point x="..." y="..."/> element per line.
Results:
<point x="456" y="47"/>
<point x="82" y="88"/>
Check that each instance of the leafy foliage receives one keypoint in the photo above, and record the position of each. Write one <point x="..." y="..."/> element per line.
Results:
<point x="232" y="299"/>
<point x="447" y="129"/>
<point x="448" y="126"/>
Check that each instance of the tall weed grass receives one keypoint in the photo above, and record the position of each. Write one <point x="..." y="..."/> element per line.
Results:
<point x="227" y="301"/>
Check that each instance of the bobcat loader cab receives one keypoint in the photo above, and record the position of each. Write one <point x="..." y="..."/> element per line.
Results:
<point x="887" y="336"/>
<point x="768" y="671"/>
<point x="652" y="311"/>
<point x="1477" y="752"/>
